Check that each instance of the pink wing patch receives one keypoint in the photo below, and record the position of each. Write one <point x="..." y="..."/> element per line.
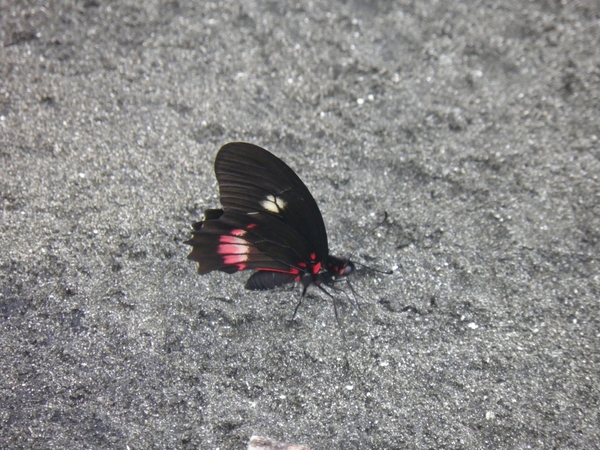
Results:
<point x="235" y="250"/>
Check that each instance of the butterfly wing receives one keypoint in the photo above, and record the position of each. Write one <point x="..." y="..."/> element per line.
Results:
<point x="269" y="221"/>
<point x="253" y="180"/>
<point x="230" y="241"/>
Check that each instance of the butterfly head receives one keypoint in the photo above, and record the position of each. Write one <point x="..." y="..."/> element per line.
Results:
<point x="337" y="268"/>
<point x="345" y="269"/>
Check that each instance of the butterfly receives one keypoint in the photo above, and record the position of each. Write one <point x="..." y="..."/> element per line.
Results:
<point x="269" y="222"/>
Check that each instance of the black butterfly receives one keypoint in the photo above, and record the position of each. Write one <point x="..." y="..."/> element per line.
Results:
<point x="269" y="223"/>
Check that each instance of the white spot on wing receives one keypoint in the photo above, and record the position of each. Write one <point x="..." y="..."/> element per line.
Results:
<point x="273" y="204"/>
<point x="280" y="202"/>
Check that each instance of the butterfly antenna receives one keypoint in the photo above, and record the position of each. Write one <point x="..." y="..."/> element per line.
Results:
<point x="384" y="272"/>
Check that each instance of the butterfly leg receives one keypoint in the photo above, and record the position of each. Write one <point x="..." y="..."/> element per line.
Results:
<point x="333" y="301"/>
<point x="300" y="302"/>
<point x="354" y="295"/>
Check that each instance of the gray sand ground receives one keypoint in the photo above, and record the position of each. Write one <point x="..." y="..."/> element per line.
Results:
<point x="474" y="124"/>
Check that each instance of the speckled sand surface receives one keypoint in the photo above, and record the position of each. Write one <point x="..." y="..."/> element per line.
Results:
<point x="475" y="125"/>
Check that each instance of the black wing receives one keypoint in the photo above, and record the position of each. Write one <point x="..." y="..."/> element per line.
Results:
<point x="252" y="180"/>
<point x="231" y="241"/>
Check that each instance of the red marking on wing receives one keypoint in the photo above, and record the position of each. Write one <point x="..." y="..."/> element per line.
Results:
<point x="316" y="268"/>
<point x="232" y="249"/>
<point x="235" y="259"/>
<point x="313" y="256"/>
<point x="232" y="240"/>
<point x="250" y="226"/>
<point x="238" y="232"/>
<point x="292" y="271"/>
<point x="234" y="246"/>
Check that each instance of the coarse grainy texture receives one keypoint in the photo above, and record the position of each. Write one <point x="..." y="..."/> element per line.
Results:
<point x="475" y="125"/>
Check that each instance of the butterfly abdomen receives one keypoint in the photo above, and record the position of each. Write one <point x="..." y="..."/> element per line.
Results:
<point x="263" y="280"/>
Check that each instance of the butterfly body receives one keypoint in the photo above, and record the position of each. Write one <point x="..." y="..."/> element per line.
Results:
<point x="269" y="222"/>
